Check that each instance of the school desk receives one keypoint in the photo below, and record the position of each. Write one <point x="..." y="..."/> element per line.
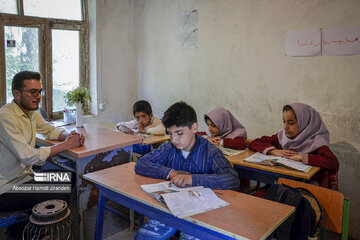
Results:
<point x="155" y="139"/>
<point x="151" y="139"/>
<point x="246" y="217"/>
<point x="103" y="148"/>
<point x="266" y="174"/>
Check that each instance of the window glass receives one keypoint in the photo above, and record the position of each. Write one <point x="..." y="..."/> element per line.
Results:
<point x="63" y="9"/>
<point x="21" y="53"/>
<point x="8" y="6"/>
<point x="66" y="65"/>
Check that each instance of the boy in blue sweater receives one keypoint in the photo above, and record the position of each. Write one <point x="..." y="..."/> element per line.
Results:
<point x="188" y="159"/>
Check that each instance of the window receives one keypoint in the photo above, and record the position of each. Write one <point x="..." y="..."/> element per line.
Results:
<point x="65" y="62"/>
<point x="21" y="52"/>
<point x="48" y="36"/>
<point x="63" y="9"/>
<point x="8" y="6"/>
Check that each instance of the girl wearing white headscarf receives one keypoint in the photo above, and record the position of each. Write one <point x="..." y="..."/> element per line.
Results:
<point x="304" y="138"/>
<point x="224" y="129"/>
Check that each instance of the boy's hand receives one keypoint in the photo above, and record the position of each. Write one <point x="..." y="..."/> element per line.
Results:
<point x="140" y="127"/>
<point x="174" y="173"/>
<point x="124" y="129"/>
<point x="182" y="180"/>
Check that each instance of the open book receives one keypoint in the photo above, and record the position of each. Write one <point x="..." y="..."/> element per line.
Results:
<point x="226" y="151"/>
<point x="183" y="202"/>
<point x="229" y="151"/>
<point x="271" y="160"/>
<point x="124" y="129"/>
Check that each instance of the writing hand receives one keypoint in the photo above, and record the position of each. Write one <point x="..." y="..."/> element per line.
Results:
<point x="214" y="140"/>
<point x="182" y="180"/>
<point x="126" y="130"/>
<point x="140" y="127"/>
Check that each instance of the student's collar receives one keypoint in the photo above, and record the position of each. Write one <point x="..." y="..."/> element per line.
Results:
<point x="151" y="120"/>
<point x="196" y="144"/>
<point x="18" y="110"/>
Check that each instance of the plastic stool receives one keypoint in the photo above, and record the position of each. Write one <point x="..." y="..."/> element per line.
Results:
<point x="141" y="149"/>
<point x="154" y="230"/>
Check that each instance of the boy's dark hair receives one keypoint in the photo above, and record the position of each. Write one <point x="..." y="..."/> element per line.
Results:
<point x="19" y="78"/>
<point x="179" y="114"/>
<point x="287" y="108"/>
<point x="142" y="106"/>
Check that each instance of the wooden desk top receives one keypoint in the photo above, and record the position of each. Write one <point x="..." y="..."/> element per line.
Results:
<point x="246" y="216"/>
<point x="155" y="139"/>
<point x="146" y="140"/>
<point x="239" y="160"/>
<point x="98" y="139"/>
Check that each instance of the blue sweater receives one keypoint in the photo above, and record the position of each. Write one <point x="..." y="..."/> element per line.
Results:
<point x="206" y="162"/>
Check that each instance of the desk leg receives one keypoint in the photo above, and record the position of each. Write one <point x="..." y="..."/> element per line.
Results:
<point x="132" y="220"/>
<point x="100" y="216"/>
<point x="87" y="192"/>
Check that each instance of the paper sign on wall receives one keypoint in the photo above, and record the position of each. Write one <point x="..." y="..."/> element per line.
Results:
<point x="302" y="43"/>
<point x="327" y="42"/>
<point x="341" y="41"/>
<point x="187" y="24"/>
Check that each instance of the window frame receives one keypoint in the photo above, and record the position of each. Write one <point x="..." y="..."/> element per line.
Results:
<point x="45" y="26"/>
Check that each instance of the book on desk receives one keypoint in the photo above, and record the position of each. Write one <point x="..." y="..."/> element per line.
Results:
<point x="229" y="151"/>
<point x="271" y="160"/>
<point x="184" y="202"/>
<point x="226" y="151"/>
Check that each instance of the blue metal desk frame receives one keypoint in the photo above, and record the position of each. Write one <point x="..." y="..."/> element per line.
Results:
<point x="264" y="176"/>
<point x="152" y="212"/>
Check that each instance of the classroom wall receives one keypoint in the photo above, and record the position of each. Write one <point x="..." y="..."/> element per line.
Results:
<point x="241" y="64"/>
<point x="114" y="79"/>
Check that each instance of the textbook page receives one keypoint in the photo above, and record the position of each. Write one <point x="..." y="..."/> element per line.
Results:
<point x="272" y="160"/>
<point x="164" y="186"/>
<point x="191" y="202"/>
<point x="229" y="151"/>
<point x="293" y="164"/>
<point x="155" y="190"/>
<point x="259" y="157"/>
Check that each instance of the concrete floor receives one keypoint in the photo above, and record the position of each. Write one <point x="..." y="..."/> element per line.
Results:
<point x="114" y="225"/>
<point x="116" y="228"/>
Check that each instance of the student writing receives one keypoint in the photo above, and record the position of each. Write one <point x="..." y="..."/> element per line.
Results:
<point x="224" y="129"/>
<point x="304" y="138"/>
<point x="144" y="121"/>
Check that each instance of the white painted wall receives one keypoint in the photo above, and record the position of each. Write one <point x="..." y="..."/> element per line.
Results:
<point x="114" y="54"/>
<point x="241" y="65"/>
